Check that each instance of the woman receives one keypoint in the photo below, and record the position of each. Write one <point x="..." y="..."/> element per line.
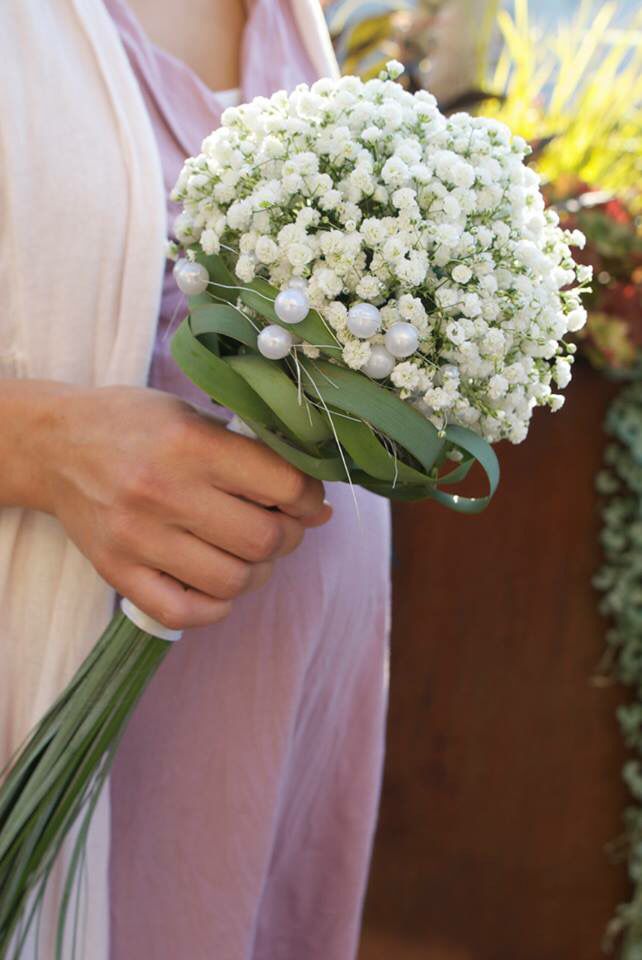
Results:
<point x="244" y="795"/>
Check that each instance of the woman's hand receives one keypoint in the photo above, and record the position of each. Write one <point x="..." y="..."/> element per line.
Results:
<point x="176" y="512"/>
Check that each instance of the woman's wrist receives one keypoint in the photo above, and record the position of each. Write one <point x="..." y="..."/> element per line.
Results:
<point x="30" y="419"/>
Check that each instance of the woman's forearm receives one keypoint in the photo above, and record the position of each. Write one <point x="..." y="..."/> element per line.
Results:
<point x="28" y="414"/>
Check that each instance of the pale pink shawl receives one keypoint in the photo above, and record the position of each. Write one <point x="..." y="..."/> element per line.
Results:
<point x="183" y="110"/>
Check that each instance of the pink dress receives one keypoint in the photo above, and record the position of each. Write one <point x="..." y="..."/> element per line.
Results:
<point x="245" y="792"/>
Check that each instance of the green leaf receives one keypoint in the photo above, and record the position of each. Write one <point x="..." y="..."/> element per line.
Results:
<point x="355" y="394"/>
<point x="326" y="468"/>
<point x="216" y="378"/>
<point x="275" y="387"/>
<point x="370" y="454"/>
<point x="222" y="319"/>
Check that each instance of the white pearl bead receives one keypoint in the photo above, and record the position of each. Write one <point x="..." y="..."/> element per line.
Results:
<point x="379" y="364"/>
<point x="402" y="339"/>
<point x="364" y="319"/>
<point x="274" y="342"/>
<point x="178" y="266"/>
<point x="292" y="305"/>
<point x="191" y="278"/>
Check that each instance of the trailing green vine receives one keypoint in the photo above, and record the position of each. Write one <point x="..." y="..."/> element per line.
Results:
<point x="620" y="581"/>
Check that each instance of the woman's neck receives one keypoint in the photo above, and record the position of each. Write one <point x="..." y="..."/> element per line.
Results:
<point x="204" y="34"/>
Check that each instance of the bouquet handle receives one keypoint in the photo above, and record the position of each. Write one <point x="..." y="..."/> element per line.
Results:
<point x="147" y="624"/>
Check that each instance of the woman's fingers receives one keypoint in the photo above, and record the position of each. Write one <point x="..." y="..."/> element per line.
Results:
<point x="170" y="602"/>
<point x="240" y="527"/>
<point x="249" y="469"/>
<point x="198" y="591"/>
<point x="204" y="567"/>
<point x="318" y="519"/>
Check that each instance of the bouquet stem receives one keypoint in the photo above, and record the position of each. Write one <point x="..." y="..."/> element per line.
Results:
<point x="57" y="776"/>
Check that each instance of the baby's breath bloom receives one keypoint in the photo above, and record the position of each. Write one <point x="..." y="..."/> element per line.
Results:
<point x="355" y="353"/>
<point x="371" y="195"/>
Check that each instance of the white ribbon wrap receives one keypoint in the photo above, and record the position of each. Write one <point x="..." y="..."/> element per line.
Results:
<point x="146" y="623"/>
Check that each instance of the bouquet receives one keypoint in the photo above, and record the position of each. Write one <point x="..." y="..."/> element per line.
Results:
<point x="378" y="293"/>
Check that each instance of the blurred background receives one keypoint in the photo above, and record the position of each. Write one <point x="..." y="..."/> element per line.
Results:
<point x="511" y="824"/>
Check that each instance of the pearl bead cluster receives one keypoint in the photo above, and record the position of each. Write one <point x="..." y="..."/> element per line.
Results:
<point x="292" y="305"/>
<point x="401" y="339"/>
<point x="364" y="320"/>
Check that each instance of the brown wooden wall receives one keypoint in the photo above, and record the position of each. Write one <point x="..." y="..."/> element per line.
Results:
<point x="502" y="784"/>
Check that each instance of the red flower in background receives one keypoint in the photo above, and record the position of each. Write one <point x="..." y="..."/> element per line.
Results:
<point x="612" y="338"/>
<point x="616" y="210"/>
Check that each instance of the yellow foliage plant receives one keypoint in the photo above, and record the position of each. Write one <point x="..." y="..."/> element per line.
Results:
<point x="575" y="90"/>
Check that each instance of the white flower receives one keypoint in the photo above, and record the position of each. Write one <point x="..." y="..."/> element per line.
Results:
<point x="371" y="134"/>
<point x="245" y="268"/>
<point x="394" y="69"/>
<point x="461" y="273"/>
<point x="438" y="398"/>
<point x="210" y="242"/>
<point x="329" y="282"/>
<point x="404" y="198"/>
<point x="389" y="313"/>
<point x="368" y="288"/>
<point x="330" y="200"/>
<point x="412" y="309"/>
<point x="471" y="305"/>
<point x="413" y="269"/>
<point x="497" y="387"/>
<point x="303" y="163"/>
<point x="584" y="273"/>
<point x="184" y="228"/>
<point x="299" y="254"/>
<point x="493" y="342"/>
<point x="373" y="231"/>
<point x="171" y="250"/>
<point x="355" y="353"/>
<point x="392" y="116"/>
<point x="266" y="250"/>
<point x="394" y="247"/>
<point x="336" y="313"/>
<point x="247" y="242"/>
<point x="239" y="215"/>
<point x="462" y="174"/>
<point x="578" y="239"/>
<point x="455" y="332"/>
<point x="307" y="217"/>
<point x="562" y="373"/>
<point x="576" y="319"/>
<point x="273" y="147"/>
<point x="407" y="376"/>
<point x="395" y="172"/>
<point x="333" y="243"/>
<point x="489" y="283"/>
